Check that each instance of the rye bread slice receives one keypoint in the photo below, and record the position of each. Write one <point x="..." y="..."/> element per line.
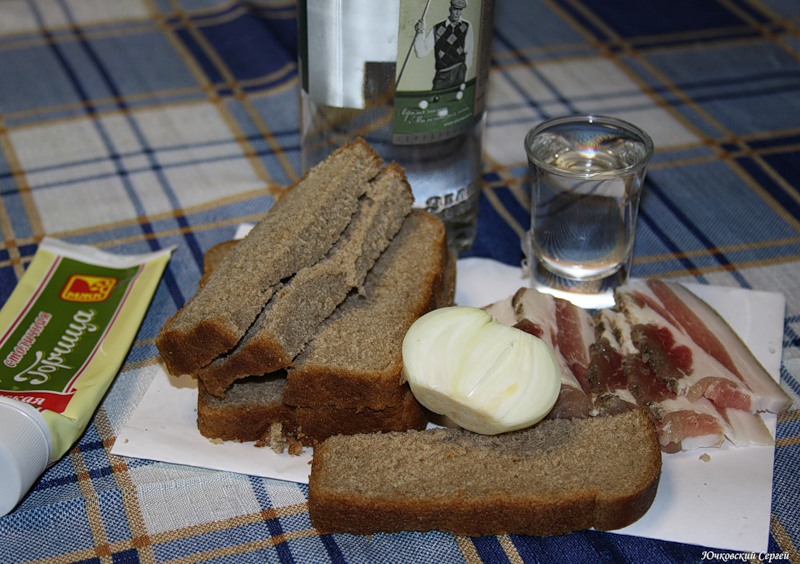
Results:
<point x="253" y="410"/>
<point x="214" y="257"/>
<point x="291" y="317"/>
<point x="299" y="230"/>
<point x="560" y="476"/>
<point x="250" y="408"/>
<point x="354" y="360"/>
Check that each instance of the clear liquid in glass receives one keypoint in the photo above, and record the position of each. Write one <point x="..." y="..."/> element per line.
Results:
<point x="586" y="186"/>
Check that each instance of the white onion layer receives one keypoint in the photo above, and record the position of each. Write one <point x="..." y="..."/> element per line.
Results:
<point x="487" y="377"/>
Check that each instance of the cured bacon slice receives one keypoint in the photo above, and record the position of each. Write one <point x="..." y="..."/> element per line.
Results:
<point x="572" y="403"/>
<point x="660" y="354"/>
<point x="656" y="366"/>
<point x="661" y="348"/>
<point x="688" y="429"/>
<point x="575" y="333"/>
<point x="700" y="424"/>
<point x="606" y="371"/>
<point x="570" y="331"/>
<point x="643" y="382"/>
<point x="746" y="428"/>
<point x="717" y="351"/>
<point x="608" y="383"/>
<point x="502" y="311"/>
<point x="721" y="392"/>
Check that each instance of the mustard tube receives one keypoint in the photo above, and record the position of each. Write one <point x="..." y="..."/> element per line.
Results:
<point x="65" y="331"/>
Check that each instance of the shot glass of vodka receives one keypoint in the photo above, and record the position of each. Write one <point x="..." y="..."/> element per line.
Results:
<point x="587" y="175"/>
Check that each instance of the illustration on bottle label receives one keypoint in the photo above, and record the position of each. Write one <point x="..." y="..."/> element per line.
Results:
<point x="439" y="79"/>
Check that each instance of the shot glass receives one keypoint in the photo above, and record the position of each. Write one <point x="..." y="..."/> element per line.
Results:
<point x="587" y="174"/>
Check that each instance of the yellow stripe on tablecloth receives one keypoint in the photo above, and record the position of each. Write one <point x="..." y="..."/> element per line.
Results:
<point x="94" y="517"/>
<point x="784" y="540"/>
<point x="231" y="83"/>
<point x="140" y="538"/>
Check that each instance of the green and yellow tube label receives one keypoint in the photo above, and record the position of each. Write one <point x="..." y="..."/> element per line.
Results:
<point x="67" y="328"/>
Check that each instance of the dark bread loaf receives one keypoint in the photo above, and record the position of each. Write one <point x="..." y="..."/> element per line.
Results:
<point x="354" y="360"/>
<point x="360" y="354"/>
<point x="253" y="410"/>
<point x="299" y="231"/>
<point x="294" y="312"/>
<point x="557" y="477"/>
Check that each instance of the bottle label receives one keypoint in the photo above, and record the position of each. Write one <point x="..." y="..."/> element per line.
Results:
<point x="425" y="62"/>
<point x="442" y="68"/>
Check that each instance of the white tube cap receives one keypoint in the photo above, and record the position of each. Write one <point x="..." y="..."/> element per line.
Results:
<point x="25" y="445"/>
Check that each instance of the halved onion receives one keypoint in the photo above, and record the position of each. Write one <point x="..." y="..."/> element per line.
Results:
<point x="485" y="376"/>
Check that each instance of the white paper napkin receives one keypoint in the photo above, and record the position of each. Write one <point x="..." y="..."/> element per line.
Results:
<point x="722" y="503"/>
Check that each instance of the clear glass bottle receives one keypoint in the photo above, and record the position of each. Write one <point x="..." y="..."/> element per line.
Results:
<point x="410" y="77"/>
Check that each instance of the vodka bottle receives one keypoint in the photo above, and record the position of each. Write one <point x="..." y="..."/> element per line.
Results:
<point x="410" y="77"/>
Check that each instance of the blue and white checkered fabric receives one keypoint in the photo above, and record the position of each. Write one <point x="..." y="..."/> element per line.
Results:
<point x="135" y="125"/>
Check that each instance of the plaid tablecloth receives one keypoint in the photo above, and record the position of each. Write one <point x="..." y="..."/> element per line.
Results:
<point x="134" y="125"/>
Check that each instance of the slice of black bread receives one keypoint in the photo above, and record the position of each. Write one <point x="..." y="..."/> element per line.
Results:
<point x="250" y="408"/>
<point x="291" y="317"/>
<point x="253" y="410"/>
<point x="214" y="257"/>
<point x="355" y="358"/>
<point x="299" y="231"/>
<point x="557" y="477"/>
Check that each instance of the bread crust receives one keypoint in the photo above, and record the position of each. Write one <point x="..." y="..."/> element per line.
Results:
<point x="293" y="314"/>
<point x="300" y="229"/>
<point x="253" y="408"/>
<point x="374" y="400"/>
<point x="213" y="258"/>
<point x="512" y="483"/>
<point x="316" y="380"/>
<point x="242" y="421"/>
